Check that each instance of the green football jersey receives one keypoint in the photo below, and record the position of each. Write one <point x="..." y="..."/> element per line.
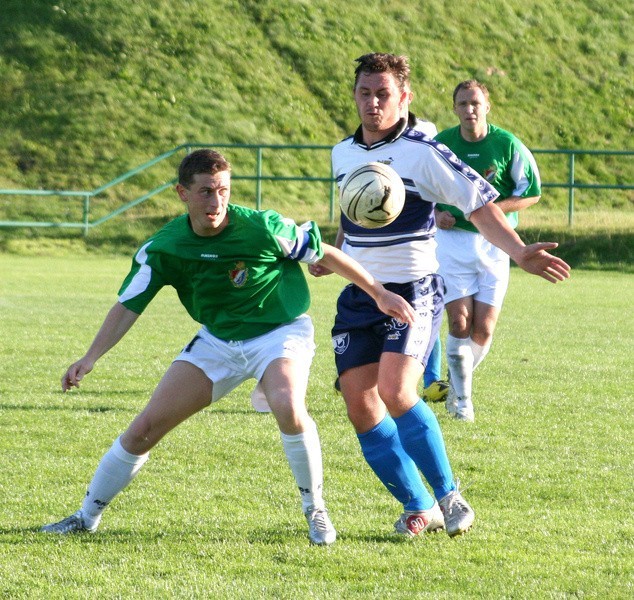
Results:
<point x="239" y="284"/>
<point x="502" y="160"/>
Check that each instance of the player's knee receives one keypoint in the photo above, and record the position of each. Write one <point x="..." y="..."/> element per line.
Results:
<point x="482" y="338"/>
<point x="291" y="415"/>
<point x="393" y="394"/>
<point x="460" y="327"/>
<point x="482" y="333"/>
<point x="141" y="435"/>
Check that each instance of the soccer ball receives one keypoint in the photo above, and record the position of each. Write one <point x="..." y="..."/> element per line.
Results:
<point x="372" y="195"/>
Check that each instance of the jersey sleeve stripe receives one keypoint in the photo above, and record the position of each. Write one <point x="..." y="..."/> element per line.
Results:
<point x="141" y="280"/>
<point x="301" y="248"/>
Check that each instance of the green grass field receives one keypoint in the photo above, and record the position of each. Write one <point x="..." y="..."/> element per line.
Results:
<point x="214" y="514"/>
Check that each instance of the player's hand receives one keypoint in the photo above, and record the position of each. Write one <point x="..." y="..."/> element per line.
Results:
<point x="444" y="219"/>
<point x="536" y="260"/>
<point x="75" y="374"/>
<point x="396" y="306"/>
<point x="317" y="270"/>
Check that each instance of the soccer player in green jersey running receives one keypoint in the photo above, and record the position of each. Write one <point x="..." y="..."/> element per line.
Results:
<point x="476" y="272"/>
<point x="237" y="273"/>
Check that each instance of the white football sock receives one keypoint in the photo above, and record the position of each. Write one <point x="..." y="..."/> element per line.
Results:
<point x="303" y="452"/>
<point x="115" y="471"/>
<point x="460" y="361"/>
<point x="479" y="352"/>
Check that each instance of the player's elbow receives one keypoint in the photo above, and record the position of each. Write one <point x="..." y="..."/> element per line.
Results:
<point x="483" y="213"/>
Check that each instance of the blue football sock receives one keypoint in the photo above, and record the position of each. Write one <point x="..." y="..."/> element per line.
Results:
<point x="382" y="450"/>
<point x="434" y="364"/>
<point x="422" y="439"/>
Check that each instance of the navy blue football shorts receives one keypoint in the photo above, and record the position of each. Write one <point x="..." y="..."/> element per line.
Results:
<point x="361" y="332"/>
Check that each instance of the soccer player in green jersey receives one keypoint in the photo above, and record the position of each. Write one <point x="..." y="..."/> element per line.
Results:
<point x="476" y="272"/>
<point x="237" y="273"/>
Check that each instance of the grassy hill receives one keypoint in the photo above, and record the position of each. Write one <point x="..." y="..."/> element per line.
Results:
<point x="90" y="89"/>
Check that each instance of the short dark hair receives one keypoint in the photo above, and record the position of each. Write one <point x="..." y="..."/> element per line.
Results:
<point x="471" y="84"/>
<point x="201" y="161"/>
<point x="380" y="62"/>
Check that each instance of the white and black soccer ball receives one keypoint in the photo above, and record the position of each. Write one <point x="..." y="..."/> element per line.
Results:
<point x="372" y="195"/>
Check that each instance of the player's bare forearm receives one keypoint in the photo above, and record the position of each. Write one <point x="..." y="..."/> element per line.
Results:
<point x="515" y="203"/>
<point x="389" y="303"/>
<point x="534" y="259"/>
<point x="117" y="323"/>
<point x="339" y="237"/>
<point x="319" y="269"/>
<point x="492" y="224"/>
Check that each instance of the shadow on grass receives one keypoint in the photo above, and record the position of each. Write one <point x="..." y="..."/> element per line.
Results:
<point x="67" y="408"/>
<point x="74" y="407"/>
<point x="99" y="538"/>
<point x="265" y="537"/>
<point x="288" y="534"/>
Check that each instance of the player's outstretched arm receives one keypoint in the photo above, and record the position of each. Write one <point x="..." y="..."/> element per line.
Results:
<point x="388" y="302"/>
<point x="534" y="259"/>
<point x="116" y="324"/>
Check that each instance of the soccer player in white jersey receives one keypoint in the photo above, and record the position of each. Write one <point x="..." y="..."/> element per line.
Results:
<point x="237" y="273"/>
<point x="432" y="374"/>
<point x="380" y="360"/>
<point x="476" y="272"/>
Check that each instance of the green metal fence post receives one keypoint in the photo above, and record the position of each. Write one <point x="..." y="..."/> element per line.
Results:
<point x="571" y="189"/>
<point x="86" y="215"/>
<point x="332" y="194"/>
<point x="258" y="181"/>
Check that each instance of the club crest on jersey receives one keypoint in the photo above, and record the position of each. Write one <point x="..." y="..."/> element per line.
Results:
<point x="489" y="174"/>
<point x="340" y="343"/>
<point x="239" y="274"/>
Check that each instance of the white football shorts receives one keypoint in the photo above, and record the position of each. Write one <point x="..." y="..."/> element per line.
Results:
<point x="472" y="266"/>
<point x="228" y="364"/>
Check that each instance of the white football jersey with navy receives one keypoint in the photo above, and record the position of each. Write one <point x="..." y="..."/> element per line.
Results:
<point x="405" y="249"/>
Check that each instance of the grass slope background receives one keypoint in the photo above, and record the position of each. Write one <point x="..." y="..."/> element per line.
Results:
<point x="90" y="89"/>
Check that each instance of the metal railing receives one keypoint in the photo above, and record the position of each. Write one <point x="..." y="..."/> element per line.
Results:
<point x="86" y="223"/>
<point x="571" y="184"/>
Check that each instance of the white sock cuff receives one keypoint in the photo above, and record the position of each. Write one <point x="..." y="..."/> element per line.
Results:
<point x="452" y="340"/>
<point x="458" y="346"/>
<point x="310" y="431"/>
<point x="478" y="348"/>
<point x="122" y="454"/>
<point x="479" y="352"/>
